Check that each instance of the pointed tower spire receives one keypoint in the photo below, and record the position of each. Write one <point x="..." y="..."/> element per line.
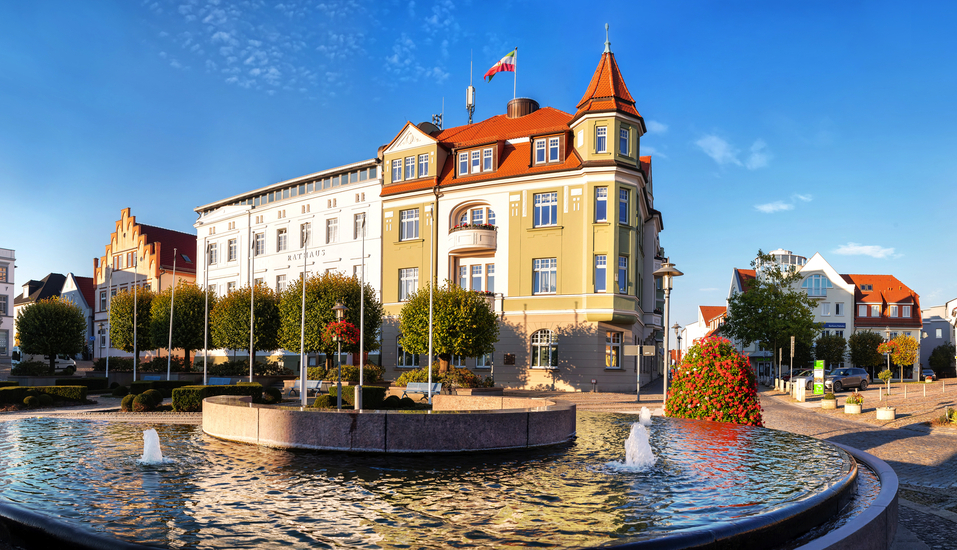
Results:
<point x="607" y="90"/>
<point x="607" y="42"/>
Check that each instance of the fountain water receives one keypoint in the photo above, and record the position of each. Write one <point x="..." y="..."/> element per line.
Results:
<point x="151" y="448"/>
<point x="637" y="448"/>
<point x="645" y="416"/>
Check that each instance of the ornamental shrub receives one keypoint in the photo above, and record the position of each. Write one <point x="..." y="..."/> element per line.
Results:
<point x="391" y="402"/>
<point x="350" y="373"/>
<point x="31" y="368"/>
<point x="325" y="401"/>
<point x="46" y="400"/>
<point x="372" y="396"/>
<point x="272" y="395"/>
<point x="190" y="398"/>
<point x="155" y="396"/>
<point x="126" y="405"/>
<point x="142" y="403"/>
<point x="714" y="382"/>
<point x="31" y="401"/>
<point x="121" y="391"/>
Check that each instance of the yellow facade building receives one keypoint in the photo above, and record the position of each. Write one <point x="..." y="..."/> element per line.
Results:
<point x="551" y="214"/>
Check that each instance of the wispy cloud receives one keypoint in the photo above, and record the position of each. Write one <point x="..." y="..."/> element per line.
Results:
<point x="857" y="249"/>
<point x="781" y="206"/>
<point x="646" y="150"/>
<point x="724" y="153"/>
<point x="805" y="198"/>
<point x="655" y="127"/>
<point x="707" y="289"/>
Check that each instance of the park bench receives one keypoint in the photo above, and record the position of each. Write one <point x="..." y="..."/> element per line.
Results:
<point x="423" y="388"/>
<point x="152" y="377"/>
<point x="219" y="381"/>
<point x="313" y="387"/>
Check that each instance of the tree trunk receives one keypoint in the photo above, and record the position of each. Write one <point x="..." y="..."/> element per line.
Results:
<point x="187" y="364"/>
<point x="52" y="364"/>
<point x="443" y="363"/>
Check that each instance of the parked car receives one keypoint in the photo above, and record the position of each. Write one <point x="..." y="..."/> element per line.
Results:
<point x="63" y="364"/>
<point x="809" y="374"/>
<point x="841" y="379"/>
<point x="924" y="374"/>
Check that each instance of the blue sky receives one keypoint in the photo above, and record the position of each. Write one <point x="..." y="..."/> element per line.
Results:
<point x="812" y="126"/>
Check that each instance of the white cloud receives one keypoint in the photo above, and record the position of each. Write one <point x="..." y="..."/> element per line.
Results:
<point x="759" y="156"/>
<point x="805" y="198"/>
<point x="646" y="150"/>
<point x="707" y="289"/>
<point x="772" y="207"/>
<point x="718" y="149"/>
<point x="857" y="249"/>
<point x="655" y="127"/>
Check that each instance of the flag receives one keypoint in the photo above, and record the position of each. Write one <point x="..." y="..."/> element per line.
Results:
<point x="507" y="63"/>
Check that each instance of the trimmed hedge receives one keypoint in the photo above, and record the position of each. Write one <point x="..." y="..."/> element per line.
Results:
<point x="165" y="387"/>
<point x="16" y="394"/>
<point x="96" y="383"/>
<point x="8" y="383"/>
<point x="372" y="396"/>
<point x="190" y="398"/>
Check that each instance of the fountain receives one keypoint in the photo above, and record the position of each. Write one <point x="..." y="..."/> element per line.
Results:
<point x="645" y="416"/>
<point x="638" y="452"/>
<point x="152" y="454"/>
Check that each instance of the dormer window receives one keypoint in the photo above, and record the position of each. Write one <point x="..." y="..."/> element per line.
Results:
<point x="463" y="164"/>
<point x="548" y="149"/>
<point x="553" y="149"/>
<point x="867" y="288"/>
<point x="476" y="161"/>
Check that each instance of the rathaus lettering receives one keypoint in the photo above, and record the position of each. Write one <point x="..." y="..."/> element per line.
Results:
<point x="312" y="254"/>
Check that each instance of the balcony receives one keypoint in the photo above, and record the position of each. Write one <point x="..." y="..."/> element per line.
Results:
<point x="466" y="239"/>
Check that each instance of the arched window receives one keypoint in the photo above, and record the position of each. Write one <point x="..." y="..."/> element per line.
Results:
<point x="817" y="285"/>
<point x="544" y="349"/>
<point x="475" y="215"/>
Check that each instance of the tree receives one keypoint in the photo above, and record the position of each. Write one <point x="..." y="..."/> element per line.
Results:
<point x="189" y="312"/>
<point x="770" y="310"/>
<point x="942" y="360"/>
<point x="863" y="349"/>
<point x="463" y="324"/>
<point x="322" y="293"/>
<point x="229" y="320"/>
<point x="903" y="351"/>
<point x="121" y="321"/>
<point x="51" y="327"/>
<point x="830" y="348"/>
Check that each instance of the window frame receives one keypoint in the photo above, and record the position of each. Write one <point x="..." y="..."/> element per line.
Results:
<point x="359" y="230"/>
<point x="410" y="168"/>
<point x="409" y="224"/>
<point x="213" y="253"/>
<point x="488" y="160"/>
<point x="554" y="149"/>
<point x="463" y="163"/>
<point x="545" y="203"/>
<point x="540" y="154"/>
<point x="543" y="340"/>
<point x="601" y="139"/>
<point x="601" y="272"/>
<point x="332" y="230"/>
<point x="475" y="164"/>
<point x="622" y="274"/>
<point x="601" y="204"/>
<point x="423" y="165"/>
<point x="396" y="170"/>
<point x="282" y="239"/>
<point x="544" y="276"/>
<point x="232" y="250"/>
<point x="624" y="141"/>
<point x="613" y="348"/>
<point x="490" y="278"/>
<point x="408" y="282"/>
<point x="624" y="199"/>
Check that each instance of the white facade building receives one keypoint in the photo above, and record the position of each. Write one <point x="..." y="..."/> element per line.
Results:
<point x="7" y="295"/>
<point x="312" y="223"/>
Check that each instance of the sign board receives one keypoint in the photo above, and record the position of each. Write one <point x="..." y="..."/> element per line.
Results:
<point x="819" y="377"/>
<point x="835" y="325"/>
<point x="646" y="351"/>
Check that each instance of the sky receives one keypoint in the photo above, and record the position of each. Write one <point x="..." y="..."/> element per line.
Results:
<point x="813" y="126"/>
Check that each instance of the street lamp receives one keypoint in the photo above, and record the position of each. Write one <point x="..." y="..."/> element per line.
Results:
<point x="340" y="313"/>
<point x="677" y="329"/>
<point x="887" y="338"/>
<point x="666" y="272"/>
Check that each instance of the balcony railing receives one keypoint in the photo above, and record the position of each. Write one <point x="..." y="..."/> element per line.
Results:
<point x="472" y="238"/>
<point x="6" y="253"/>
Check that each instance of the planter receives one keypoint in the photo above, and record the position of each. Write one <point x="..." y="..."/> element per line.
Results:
<point x="852" y="408"/>
<point x="886" y="413"/>
<point x="829" y="404"/>
<point x="479" y="391"/>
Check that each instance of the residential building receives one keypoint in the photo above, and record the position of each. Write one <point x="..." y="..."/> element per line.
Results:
<point x="314" y="223"/>
<point x="140" y="256"/>
<point x="7" y="296"/>
<point x="762" y="359"/>
<point x="549" y="213"/>
<point x="33" y="291"/>
<point x="937" y="330"/>
<point x="710" y="319"/>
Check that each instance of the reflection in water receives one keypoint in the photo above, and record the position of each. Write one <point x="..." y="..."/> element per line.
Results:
<point x="227" y="495"/>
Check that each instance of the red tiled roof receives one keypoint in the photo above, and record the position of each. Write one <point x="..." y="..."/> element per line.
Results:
<point x="86" y="287"/>
<point x="709" y="313"/>
<point x="607" y="90"/>
<point x="645" y="162"/>
<point x="745" y="275"/>
<point x="500" y="127"/>
<point x="169" y="239"/>
<point x="885" y="289"/>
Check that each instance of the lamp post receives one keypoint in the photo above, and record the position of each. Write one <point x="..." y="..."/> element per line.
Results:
<point x="666" y="272"/>
<point x="677" y="329"/>
<point x="340" y="313"/>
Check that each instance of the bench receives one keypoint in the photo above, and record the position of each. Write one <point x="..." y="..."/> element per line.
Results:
<point x="219" y="381"/>
<point x="152" y="377"/>
<point x="423" y="388"/>
<point x="313" y="387"/>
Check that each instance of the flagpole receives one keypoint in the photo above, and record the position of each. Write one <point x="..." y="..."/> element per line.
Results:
<point x="172" y="302"/>
<point x="515" y="74"/>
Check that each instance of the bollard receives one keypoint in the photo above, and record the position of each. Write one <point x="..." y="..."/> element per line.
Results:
<point x="905" y="391"/>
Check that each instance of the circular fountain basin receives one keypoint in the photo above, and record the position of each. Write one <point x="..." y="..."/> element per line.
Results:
<point x="708" y="479"/>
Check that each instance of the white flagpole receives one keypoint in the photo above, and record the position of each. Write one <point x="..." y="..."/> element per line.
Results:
<point x="303" y="371"/>
<point x="362" y="323"/>
<point x="515" y="74"/>
<point x="206" y="308"/>
<point x="136" y="351"/>
<point x="109" y="318"/>
<point x="172" y="298"/>
<point x="431" y="285"/>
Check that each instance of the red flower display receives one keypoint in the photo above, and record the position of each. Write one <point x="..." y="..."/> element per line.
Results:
<point x="342" y="331"/>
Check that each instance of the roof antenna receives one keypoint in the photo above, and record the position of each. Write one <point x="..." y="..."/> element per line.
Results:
<point x="470" y="92"/>
<point x="607" y="43"/>
<point x="437" y="119"/>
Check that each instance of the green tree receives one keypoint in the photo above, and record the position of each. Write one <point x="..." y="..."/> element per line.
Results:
<point x="50" y="327"/>
<point x="189" y="312"/>
<point x="121" y="321"/>
<point x="904" y="352"/>
<point x="322" y="293"/>
<point x="863" y="349"/>
<point x="770" y="310"/>
<point x="830" y="348"/>
<point x="229" y="321"/>
<point x="942" y="360"/>
<point x="463" y="324"/>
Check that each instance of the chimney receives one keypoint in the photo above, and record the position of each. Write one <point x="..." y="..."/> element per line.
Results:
<point x="520" y="107"/>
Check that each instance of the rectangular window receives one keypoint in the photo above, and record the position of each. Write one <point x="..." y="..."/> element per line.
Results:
<point x="280" y="283"/>
<point x="546" y="209"/>
<point x="905" y="311"/>
<point x="483" y="361"/>
<point x="939" y="333"/>
<point x="487" y="160"/>
<point x="423" y="165"/>
<point x="623" y="206"/>
<point x="601" y="134"/>
<point x="875" y="311"/>
<point x="825" y="309"/>
<point x="230" y="287"/>
<point x="463" y="164"/>
<point x="408" y="282"/>
<point x="281" y="239"/>
<point x="539" y="151"/>
<point x="490" y="277"/>
<point x="332" y="230"/>
<point x="893" y="312"/>
<point x="839" y="309"/>
<point x="410" y="168"/>
<point x="4" y="306"/>
<point x="259" y="245"/>
<point x="838" y="333"/>
<point x="476" y="162"/>
<point x="601" y="267"/>
<point x="553" y="149"/>
<point x="463" y="277"/>
<point x="612" y="350"/>
<point x="601" y="204"/>
<point x="359" y="226"/>
<point x="3" y="273"/>
<point x="232" y="249"/>
<point x="4" y="342"/>
<point x="305" y="232"/>
<point x="406" y="359"/>
<point x="544" y="275"/>
<point x="409" y="224"/>
<point x="478" y="215"/>
<point x="397" y="170"/>
<point x="623" y="274"/>
<point x="862" y="311"/>
<point x="623" y="141"/>
<point x="476" y="277"/>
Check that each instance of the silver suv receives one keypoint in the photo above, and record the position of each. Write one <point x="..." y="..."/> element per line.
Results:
<point x="840" y="379"/>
